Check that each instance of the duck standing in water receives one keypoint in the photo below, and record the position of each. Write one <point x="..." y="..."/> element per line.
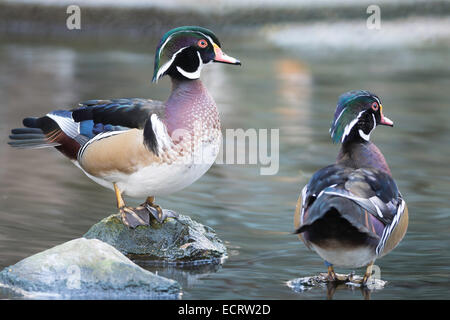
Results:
<point x="141" y="147"/>
<point x="351" y="212"/>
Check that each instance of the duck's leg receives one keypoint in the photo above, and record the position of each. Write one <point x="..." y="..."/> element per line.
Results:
<point x="156" y="211"/>
<point x="368" y="274"/>
<point x="331" y="275"/>
<point x="131" y="217"/>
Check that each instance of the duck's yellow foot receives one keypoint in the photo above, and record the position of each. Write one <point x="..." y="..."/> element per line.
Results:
<point x="157" y="212"/>
<point x="134" y="217"/>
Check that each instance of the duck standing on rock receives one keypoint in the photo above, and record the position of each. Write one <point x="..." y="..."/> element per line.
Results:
<point x="351" y="212"/>
<point x="141" y="147"/>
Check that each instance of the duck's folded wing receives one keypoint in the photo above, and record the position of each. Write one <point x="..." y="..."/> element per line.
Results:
<point x="108" y="117"/>
<point x="329" y="176"/>
<point x="98" y="116"/>
<point x="70" y="130"/>
<point x="124" y="135"/>
<point x="373" y="190"/>
<point x="367" y="198"/>
<point x="377" y="193"/>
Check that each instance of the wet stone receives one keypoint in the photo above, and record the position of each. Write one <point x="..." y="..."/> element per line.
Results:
<point x="84" y="269"/>
<point x="178" y="241"/>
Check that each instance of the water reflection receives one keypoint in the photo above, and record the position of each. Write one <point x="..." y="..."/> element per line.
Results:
<point x="294" y="89"/>
<point x="187" y="276"/>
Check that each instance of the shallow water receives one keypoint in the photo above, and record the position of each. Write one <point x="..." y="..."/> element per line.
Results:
<point x="45" y="200"/>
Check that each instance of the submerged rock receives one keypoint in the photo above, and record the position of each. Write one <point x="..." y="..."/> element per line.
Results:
<point x="177" y="241"/>
<point x="85" y="269"/>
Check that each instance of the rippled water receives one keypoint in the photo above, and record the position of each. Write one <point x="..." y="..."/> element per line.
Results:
<point x="45" y="200"/>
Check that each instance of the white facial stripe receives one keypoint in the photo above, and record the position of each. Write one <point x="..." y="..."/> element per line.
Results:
<point x="193" y="75"/>
<point x="340" y="114"/>
<point x="165" y="42"/>
<point x="349" y="127"/>
<point x="210" y="40"/>
<point x="378" y="100"/>
<point x="337" y="119"/>
<point x="167" y="65"/>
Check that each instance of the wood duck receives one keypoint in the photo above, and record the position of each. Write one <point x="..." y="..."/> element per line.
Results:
<point x="141" y="147"/>
<point x="352" y="212"/>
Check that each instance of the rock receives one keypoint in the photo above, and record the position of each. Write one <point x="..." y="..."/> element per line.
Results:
<point x="179" y="241"/>
<point x="321" y="281"/>
<point x="85" y="269"/>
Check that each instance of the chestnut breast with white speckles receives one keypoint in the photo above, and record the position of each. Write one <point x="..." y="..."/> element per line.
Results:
<point x="192" y="119"/>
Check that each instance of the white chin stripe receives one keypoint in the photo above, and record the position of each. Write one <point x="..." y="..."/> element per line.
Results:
<point x="193" y="75"/>
<point x="367" y="136"/>
<point x="363" y="135"/>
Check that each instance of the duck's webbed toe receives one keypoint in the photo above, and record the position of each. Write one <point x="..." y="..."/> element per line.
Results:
<point x="157" y="212"/>
<point x="160" y="214"/>
<point x="134" y="217"/>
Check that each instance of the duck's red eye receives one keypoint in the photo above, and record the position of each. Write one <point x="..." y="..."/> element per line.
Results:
<point x="375" y="106"/>
<point x="202" y="43"/>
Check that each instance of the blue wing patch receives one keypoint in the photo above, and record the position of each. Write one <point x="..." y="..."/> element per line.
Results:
<point x="90" y="129"/>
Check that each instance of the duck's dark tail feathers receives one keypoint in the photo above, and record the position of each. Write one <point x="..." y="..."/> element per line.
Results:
<point x="30" y="137"/>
